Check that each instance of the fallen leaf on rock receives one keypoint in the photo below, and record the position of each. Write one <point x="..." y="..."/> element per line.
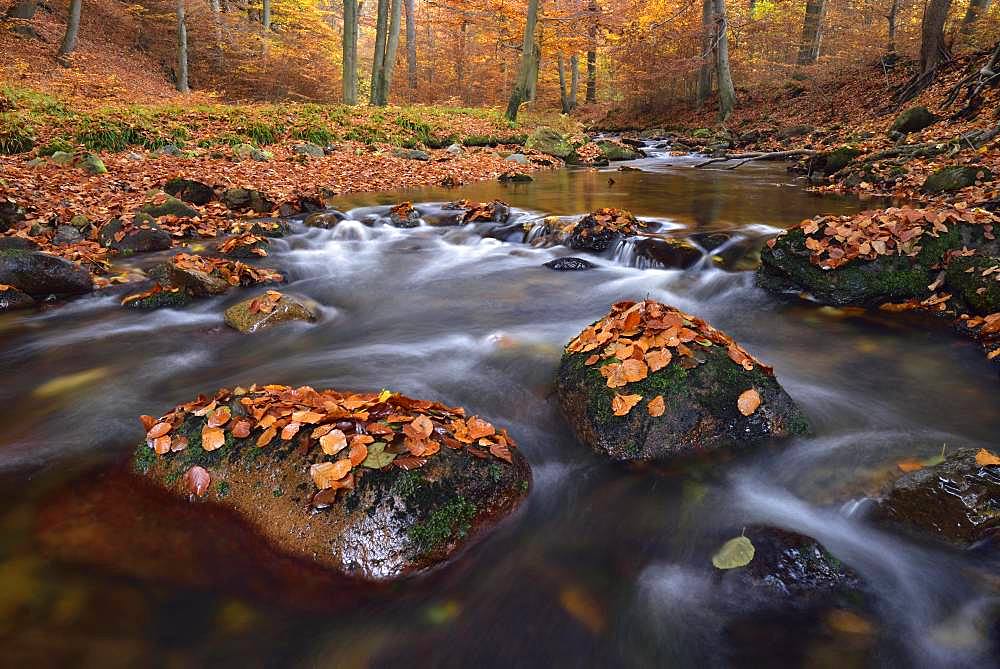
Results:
<point x="197" y="480"/>
<point x="656" y="406"/>
<point x="579" y="604"/>
<point x="219" y="417"/>
<point x="748" y="402"/>
<point x="622" y="404"/>
<point x="159" y="430"/>
<point x="377" y="457"/>
<point x="737" y="552"/>
<point x="984" y="458"/>
<point x="333" y="442"/>
<point x="212" y="438"/>
<point x="908" y="466"/>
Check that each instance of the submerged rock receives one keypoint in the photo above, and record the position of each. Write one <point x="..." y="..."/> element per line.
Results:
<point x="672" y="386"/>
<point x="11" y="298"/>
<point x="40" y="274"/>
<point x="371" y="510"/>
<point x="569" y="264"/>
<point x="142" y="235"/>
<point x="957" y="500"/>
<point x="668" y="253"/>
<point x="976" y="280"/>
<point x="269" y="309"/>
<point x="189" y="190"/>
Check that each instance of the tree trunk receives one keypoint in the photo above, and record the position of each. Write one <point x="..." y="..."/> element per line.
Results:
<point x="533" y="75"/>
<point x="216" y="7"/>
<point x="411" y="44"/>
<point x="707" y="49"/>
<point x="265" y="15"/>
<point x="976" y="9"/>
<point x="23" y="9"/>
<point x="891" y="19"/>
<point x="460" y="62"/>
<point x="574" y="80"/>
<point x="72" y="30"/>
<point x="592" y="54"/>
<point x="932" y="47"/>
<point x="350" y="69"/>
<point x="727" y="94"/>
<point x="386" y="61"/>
<point x="528" y="54"/>
<point x="381" y="22"/>
<point x="812" y="32"/>
<point x="563" y="92"/>
<point x="182" y="50"/>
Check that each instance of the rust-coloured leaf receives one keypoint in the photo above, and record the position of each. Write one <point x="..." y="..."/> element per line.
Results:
<point x="290" y="430"/>
<point x="479" y="428"/>
<point x="622" y="404"/>
<point x="159" y="430"/>
<point x="748" y="401"/>
<point x="420" y="428"/>
<point x="212" y="438"/>
<point x="909" y="465"/>
<point x="219" y="417"/>
<point x="656" y="406"/>
<point x="333" y="442"/>
<point x="241" y="429"/>
<point x="266" y="436"/>
<point x="634" y="370"/>
<point x="147" y="422"/>
<point x="984" y="458"/>
<point x="196" y="481"/>
<point x="657" y="359"/>
<point x="162" y="444"/>
<point x="358" y="453"/>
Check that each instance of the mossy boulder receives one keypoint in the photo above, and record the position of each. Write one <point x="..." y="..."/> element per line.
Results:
<point x="392" y="522"/>
<point x="189" y="190"/>
<point x="976" y="280"/>
<point x="308" y="150"/>
<point x="957" y="500"/>
<point x="142" y="236"/>
<point x="324" y="219"/>
<point x="786" y="267"/>
<point x="411" y="154"/>
<point x="954" y="178"/>
<point x="194" y="282"/>
<point x="40" y="274"/>
<point x="62" y="158"/>
<point x="11" y="213"/>
<point x="92" y="164"/>
<point x="550" y="141"/>
<point x="170" y="207"/>
<point x="18" y="244"/>
<point x="617" y="151"/>
<point x="913" y="119"/>
<point x="836" y="160"/>
<point x="243" y="199"/>
<point x="247" y="317"/>
<point x="11" y="298"/>
<point x="700" y="389"/>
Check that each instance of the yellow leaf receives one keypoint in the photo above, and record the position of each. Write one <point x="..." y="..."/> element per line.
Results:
<point x="984" y="457"/>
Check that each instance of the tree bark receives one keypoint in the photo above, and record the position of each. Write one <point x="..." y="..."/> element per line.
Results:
<point x="265" y="15"/>
<point x="727" y="93"/>
<point x="574" y="79"/>
<point x="592" y="54"/>
<point x="891" y="19"/>
<point x="976" y="9"/>
<point x="812" y="32"/>
<point x="216" y="7"/>
<point x="411" y="44"/>
<point x="23" y="9"/>
<point x="182" y="50"/>
<point x="460" y="62"/>
<point x="707" y="49"/>
<point x="563" y="91"/>
<point x="72" y="30"/>
<point x="350" y="68"/>
<point x="528" y="54"/>
<point x="386" y="61"/>
<point x="381" y="22"/>
<point x="932" y="47"/>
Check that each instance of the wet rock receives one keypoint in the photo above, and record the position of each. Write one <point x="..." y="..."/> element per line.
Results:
<point x="700" y="385"/>
<point x="10" y="214"/>
<point x="142" y="236"/>
<point x="569" y="264"/>
<point x="956" y="177"/>
<point x="189" y="190"/>
<point x="913" y="119"/>
<point x="957" y="500"/>
<point x="795" y="131"/>
<point x="404" y="216"/>
<point x="271" y="228"/>
<point x="702" y="133"/>
<point x="308" y="150"/>
<point x="243" y="199"/>
<point x="836" y="160"/>
<point x="40" y="274"/>
<point x="550" y="141"/>
<point x="634" y="143"/>
<point x="324" y="219"/>
<point x="17" y="244"/>
<point x="710" y="240"/>
<point x="518" y="158"/>
<point x="11" y="298"/>
<point x="195" y="282"/>
<point x="515" y="178"/>
<point x="788" y="570"/>
<point x="244" y="317"/>
<point x="668" y="253"/>
<point x="786" y="267"/>
<point x="80" y="222"/>
<point x="393" y="521"/>
<point x="615" y="151"/>
<point x="161" y="298"/>
<point x="170" y="207"/>
<point x="629" y="168"/>
<point x="596" y="232"/>
<point x="653" y="133"/>
<point x="411" y="154"/>
<point x="66" y="234"/>
<point x="976" y="280"/>
<point x="171" y="150"/>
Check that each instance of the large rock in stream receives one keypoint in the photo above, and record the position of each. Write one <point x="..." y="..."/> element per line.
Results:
<point x="957" y="500"/>
<point x="268" y="310"/>
<point x="649" y="382"/>
<point x="369" y="486"/>
<point x="874" y="257"/>
<point x="40" y="274"/>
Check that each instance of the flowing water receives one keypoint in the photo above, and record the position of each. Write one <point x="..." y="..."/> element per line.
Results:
<point x="603" y="565"/>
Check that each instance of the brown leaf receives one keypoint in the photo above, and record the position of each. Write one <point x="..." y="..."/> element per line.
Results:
<point x="162" y="444"/>
<point x="622" y="404"/>
<point x="984" y="458"/>
<point x="159" y="430"/>
<point x="634" y="370"/>
<point x="212" y="438"/>
<point x="266" y="436"/>
<point x="501" y="451"/>
<point x="196" y="481"/>
<point x="656" y="406"/>
<point x="219" y="417"/>
<point x="657" y="359"/>
<point x="748" y="402"/>
<point x="479" y="428"/>
<point x="358" y="453"/>
<point x="241" y="430"/>
<point x="333" y="442"/>
<point x="420" y="428"/>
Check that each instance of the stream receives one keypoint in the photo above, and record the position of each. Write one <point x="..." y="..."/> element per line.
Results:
<point x="603" y="565"/>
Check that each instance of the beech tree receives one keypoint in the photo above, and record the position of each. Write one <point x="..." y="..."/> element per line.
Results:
<point x="182" y="50"/>
<point x="528" y="70"/>
<point x="72" y="31"/>
<point x="350" y="41"/>
<point x="933" y="50"/>
<point x="592" y="53"/>
<point x="707" y="51"/>
<point x="411" y="44"/>
<point x="386" y="47"/>
<point x="976" y="9"/>
<point x="812" y="32"/>
<point x="727" y="93"/>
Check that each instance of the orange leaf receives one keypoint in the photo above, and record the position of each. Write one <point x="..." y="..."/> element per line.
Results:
<point x="479" y="428"/>
<point x="159" y="430"/>
<point x="748" y="402"/>
<point x="241" y="430"/>
<point x="909" y="465"/>
<point x="333" y="442"/>
<point x="358" y="453"/>
<point x="984" y="457"/>
<point x="634" y="370"/>
<point x="212" y="438"/>
<point x="219" y="417"/>
<point x="656" y="406"/>
<point x="419" y="429"/>
<point x="197" y="480"/>
<point x="622" y="404"/>
<point x="162" y="444"/>
<point x="658" y="359"/>
<point x="265" y="438"/>
<point x="290" y="430"/>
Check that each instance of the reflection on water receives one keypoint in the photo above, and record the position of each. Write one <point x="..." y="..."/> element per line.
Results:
<point x="603" y="566"/>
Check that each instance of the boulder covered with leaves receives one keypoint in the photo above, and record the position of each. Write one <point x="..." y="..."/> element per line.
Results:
<point x="875" y="256"/>
<point x="371" y="486"/>
<point x="956" y="500"/>
<point x="187" y="276"/>
<point x="269" y="309"/>
<point x="598" y="230"/>
<point x="649" y="382"/>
